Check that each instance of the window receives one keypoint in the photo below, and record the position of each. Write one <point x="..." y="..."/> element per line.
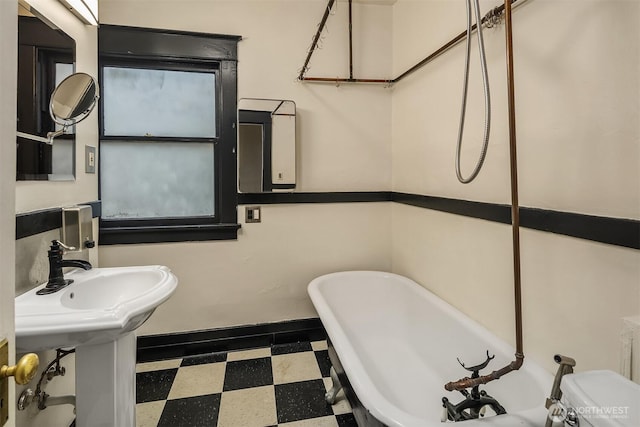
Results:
<point x="167" y="136"/>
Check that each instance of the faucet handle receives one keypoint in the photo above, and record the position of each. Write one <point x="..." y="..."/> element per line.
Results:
<point x="62" y="245"/>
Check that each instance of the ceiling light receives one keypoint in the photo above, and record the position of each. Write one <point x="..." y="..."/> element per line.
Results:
<point x="86" y="10"/>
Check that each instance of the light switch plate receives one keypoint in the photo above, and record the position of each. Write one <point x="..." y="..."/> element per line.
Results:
<point x="252" y="214"/>
<point x="89" y="159"/>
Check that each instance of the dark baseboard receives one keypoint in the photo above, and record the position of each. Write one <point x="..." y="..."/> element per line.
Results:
<point x="181" y="344"/>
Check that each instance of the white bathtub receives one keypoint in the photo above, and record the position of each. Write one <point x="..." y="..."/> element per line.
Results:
<point x="398" y="345"/>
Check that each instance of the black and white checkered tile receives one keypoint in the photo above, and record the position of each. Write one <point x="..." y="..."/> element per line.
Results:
<point x="281" y="385"/>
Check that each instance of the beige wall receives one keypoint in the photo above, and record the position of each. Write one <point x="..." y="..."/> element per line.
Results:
<point x="578" y="150"/>
<point x="344" y="144"/>
<point x="344" y="132"/>
<point x="577" y="100"/>
<point x="263" y="276"/>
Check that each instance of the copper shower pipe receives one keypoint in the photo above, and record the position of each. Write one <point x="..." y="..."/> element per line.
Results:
<point x="314" y="43"/>
<point x="350" y="40"/>
<point x="451" y="43"/>
<point x="513" y="161"/>
<point x="339" y="80"/>
<point x="515" y="210"/>
<point x="515" y="224"/>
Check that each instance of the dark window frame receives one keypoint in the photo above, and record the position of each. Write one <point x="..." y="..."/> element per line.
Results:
<point x="183" y="51"/>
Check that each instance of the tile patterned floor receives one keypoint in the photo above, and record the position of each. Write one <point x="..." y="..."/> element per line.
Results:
<point x="282" y="385"/>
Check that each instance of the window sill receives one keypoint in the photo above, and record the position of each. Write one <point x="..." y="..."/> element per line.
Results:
<point x="167" y="233"/>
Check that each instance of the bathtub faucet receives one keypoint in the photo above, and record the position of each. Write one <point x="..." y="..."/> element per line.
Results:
<point x="474" y="403"/>
<point x="467" y="382"/>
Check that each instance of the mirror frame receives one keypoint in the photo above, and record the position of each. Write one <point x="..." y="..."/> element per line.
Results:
<point x="82" y="114"/>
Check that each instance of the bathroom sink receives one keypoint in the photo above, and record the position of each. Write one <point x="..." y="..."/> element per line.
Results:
<point x="100" y="305"/>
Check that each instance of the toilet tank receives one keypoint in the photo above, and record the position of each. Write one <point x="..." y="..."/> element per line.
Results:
<point x="602" y="399"/>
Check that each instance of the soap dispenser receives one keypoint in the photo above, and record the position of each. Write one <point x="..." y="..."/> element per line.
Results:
<point x="77" y="227"/>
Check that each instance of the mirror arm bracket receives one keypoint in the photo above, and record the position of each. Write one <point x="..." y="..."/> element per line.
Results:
<point x="33" y="137"/>
<point x="52" y="135"/>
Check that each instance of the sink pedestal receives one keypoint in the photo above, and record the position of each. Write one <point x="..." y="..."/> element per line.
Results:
<point x="106" y="383"/>
<point x="96" y="315"/>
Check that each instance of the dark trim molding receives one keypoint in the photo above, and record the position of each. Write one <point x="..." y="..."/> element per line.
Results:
<point x="169" y="346"/>
<point x="116" y="40"/>
<point x="489" y="211"/>
<point x="167" y="233"/>
<point x="298" y="197"/>
<point x="36" y="222"/>
<point x="614" y="231"/>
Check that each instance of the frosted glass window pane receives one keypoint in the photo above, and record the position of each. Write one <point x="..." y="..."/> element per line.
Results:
<point x="142" y="102"/>
<point x="151" y="180"/>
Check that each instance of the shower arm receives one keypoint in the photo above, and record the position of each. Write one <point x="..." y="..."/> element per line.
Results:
<point x="515" y="224"/>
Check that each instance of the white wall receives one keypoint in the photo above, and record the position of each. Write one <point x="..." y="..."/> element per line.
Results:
<point x="344" y="144"/>
<point x="576" y="78"/>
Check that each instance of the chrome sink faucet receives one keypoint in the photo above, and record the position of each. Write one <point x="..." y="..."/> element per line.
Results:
<point x="56" y="264"/>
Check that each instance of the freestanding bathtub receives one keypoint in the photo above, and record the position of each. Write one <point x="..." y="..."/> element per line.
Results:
<point x="394" y="345"/>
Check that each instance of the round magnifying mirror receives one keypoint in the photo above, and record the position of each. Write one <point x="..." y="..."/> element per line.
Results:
<point x="74" y="99"/>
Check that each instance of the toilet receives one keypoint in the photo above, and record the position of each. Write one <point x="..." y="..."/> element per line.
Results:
<point x="600" y="399"/>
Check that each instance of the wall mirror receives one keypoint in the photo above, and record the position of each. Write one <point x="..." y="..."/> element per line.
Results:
<point x="266" y="145"/>
<point x="46" y="56"/>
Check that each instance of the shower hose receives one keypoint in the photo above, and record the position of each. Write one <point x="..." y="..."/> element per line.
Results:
<point x="487" y="101"/>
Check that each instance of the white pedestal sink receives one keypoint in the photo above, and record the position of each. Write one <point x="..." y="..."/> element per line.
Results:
<point x="97" y="315"/>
